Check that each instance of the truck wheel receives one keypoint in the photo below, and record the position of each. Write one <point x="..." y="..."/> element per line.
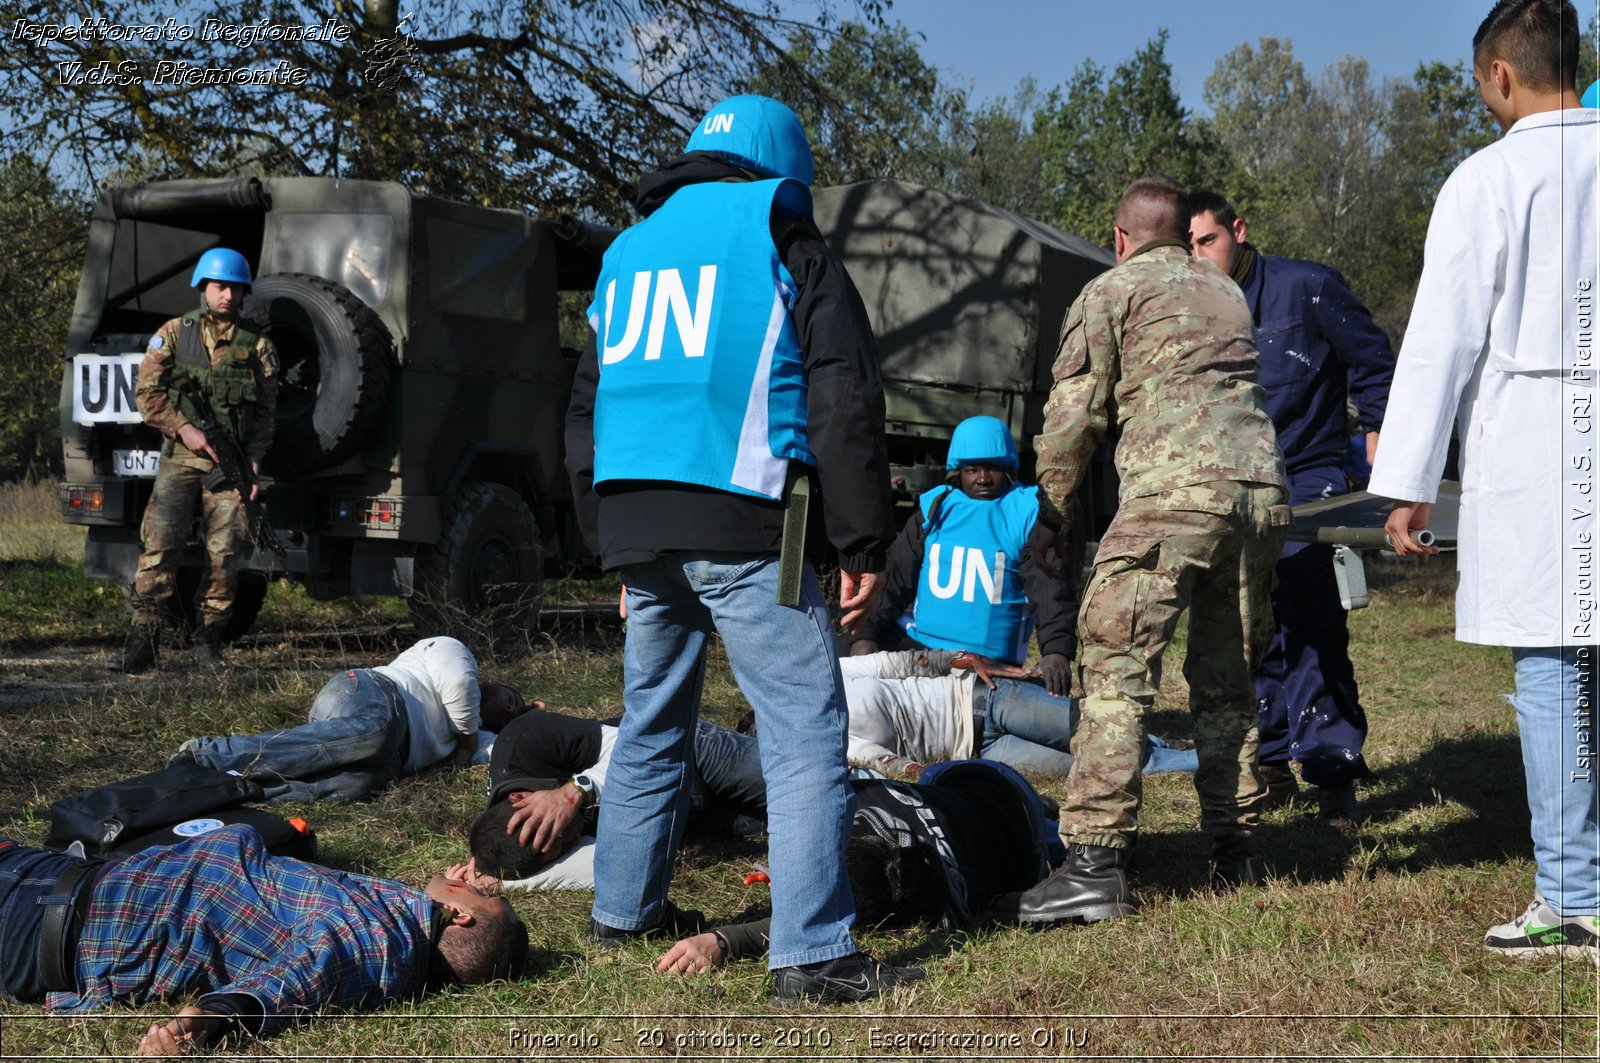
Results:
<point x="334" y="355"/>
<point x="247" y="600"/>
<point x="483" y="581"/>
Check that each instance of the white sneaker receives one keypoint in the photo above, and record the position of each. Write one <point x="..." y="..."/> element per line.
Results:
<point x="1539" y="931"/>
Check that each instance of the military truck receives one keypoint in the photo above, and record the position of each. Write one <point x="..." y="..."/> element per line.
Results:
<point x="418" y="449"/>
<point x="967" y="302"/>
<point x="423" y="384"/>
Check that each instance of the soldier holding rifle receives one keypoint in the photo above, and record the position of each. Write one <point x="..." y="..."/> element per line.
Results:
<point x="207" y="382"/>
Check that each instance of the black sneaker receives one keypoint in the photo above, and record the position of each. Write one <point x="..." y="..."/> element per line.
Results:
<point x="845" y="980"/>
<point x="674" y="921"/>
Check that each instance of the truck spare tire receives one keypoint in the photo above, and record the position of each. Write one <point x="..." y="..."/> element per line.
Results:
<point x="483" y="581"/>
<point x="334" y="356"/>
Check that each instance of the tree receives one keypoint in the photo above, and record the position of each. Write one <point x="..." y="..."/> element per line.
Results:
<point x="871" y="104"/>
<point x="1258" y="99"/>
<point x="550" y="104"/>
<point x="1101" y="133"/>
<point x="1434" y="121"/>
<point x="39" y="262"/>
<point x="999" y="159"/>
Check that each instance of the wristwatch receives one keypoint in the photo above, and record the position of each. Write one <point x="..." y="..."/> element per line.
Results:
<point x="586" y="787"/>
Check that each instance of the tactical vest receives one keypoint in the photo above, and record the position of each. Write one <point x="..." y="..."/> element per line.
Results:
<point x="701" y="377"/>
<point x="969" y="593"/>
<point x="230" y="386"/>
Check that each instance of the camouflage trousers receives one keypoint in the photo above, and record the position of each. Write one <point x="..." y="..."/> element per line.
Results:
<point x="1210" y="548"/>
<point x="165" y="532"/>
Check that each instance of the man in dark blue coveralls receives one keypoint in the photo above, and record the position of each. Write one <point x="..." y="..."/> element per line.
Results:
<point x="1320" y="350"/>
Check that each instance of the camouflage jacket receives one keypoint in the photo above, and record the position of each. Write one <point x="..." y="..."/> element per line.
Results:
<point x="1165" y="345"/>
<point x="155" y="377"/>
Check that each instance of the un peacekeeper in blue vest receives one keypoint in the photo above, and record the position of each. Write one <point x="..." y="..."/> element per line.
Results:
<point x="963" y="576"/>
<point x="732" y="356"/>
<point x="1320" y="352"/>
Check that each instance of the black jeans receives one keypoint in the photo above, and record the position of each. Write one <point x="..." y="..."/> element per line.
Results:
<point x="27" y="876"/>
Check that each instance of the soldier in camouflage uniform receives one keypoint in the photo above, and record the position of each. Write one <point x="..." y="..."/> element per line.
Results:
<point x="236" y="368"/>
<point x="1166" y="343"/>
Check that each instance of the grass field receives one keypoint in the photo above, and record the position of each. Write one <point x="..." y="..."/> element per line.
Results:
<point x="1363" y="946"/>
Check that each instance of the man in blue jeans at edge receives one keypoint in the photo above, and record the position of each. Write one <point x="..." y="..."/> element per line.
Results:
<point x="1500" y="342"/>
<point x="369" y="726"/>
<point x="758" y="371"/>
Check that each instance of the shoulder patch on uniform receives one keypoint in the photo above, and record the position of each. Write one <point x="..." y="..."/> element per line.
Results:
<point x="157" y="342"/>
<point x="272" y="362"/>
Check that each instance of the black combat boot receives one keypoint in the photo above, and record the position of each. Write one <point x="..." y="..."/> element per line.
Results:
<point x="208" y="646"/>
<point x="1336" y="807"/>
<point x="1233" y="864"/>
<point x="140" y="651"/>
<point x="1091" y="886"/>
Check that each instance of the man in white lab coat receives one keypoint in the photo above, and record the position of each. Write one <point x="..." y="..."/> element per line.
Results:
<point x="1503" y="330"/>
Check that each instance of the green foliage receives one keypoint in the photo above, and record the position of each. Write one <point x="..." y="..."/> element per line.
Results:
<point x="557" y="106"/>
<point x="1001" y="161"/>
<point x="1340" y="169"/>
<point x="880" y="110"/>
<point x="1105" y="131"/>
<point x="560" y="106"/>
<point x="39" y="259"/>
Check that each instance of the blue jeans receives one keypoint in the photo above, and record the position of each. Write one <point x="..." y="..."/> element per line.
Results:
<point x="353" y="744"/>
<point x="727" y="768"/>
<point x="1555" y="716"/>
<point x="784" y="661"/>
<point x="1027" y="727"/>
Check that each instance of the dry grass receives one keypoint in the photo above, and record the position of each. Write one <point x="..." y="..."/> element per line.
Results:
<point x="1356" y="947"/>
<point x="31" y="528"/>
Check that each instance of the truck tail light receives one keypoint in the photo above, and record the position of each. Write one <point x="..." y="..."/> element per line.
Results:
<point x="78" y="501"/>
<point x="379" y="513"/>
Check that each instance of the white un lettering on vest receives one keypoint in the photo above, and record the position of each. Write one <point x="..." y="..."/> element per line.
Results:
<point x="671" y="299"/>
<point x="967" y="570"/>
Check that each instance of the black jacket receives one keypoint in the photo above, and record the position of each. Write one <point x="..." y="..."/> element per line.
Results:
<point x="636" y="521"/>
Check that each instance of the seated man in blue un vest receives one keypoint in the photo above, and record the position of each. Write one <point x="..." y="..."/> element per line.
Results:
<point x="964" y="573"/>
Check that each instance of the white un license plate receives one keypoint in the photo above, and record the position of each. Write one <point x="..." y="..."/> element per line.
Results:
<point x="135" y="462"/>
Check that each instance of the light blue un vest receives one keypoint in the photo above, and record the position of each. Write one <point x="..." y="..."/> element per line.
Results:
<point x="700" y="370"/>
<point x="969" y="593"/>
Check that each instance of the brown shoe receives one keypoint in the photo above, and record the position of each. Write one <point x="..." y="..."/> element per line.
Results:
<point x="1283" y="788"/>
<point x="139" y="652"/>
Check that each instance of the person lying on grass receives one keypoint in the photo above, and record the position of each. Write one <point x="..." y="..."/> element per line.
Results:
<point x="547" y="772"/>
<point x="368" y="726"/>
<point x="265" y="941"/>
<point x="937" y="852"/>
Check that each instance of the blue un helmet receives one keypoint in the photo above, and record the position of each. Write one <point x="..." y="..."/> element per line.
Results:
<point x="757" y="132"/>
<point x="982" y="440"/>
<point x="220" y="264"/>
<point x="1591" y="95"/>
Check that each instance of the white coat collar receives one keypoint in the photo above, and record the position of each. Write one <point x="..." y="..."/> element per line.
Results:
<point x="1564" y="117"/>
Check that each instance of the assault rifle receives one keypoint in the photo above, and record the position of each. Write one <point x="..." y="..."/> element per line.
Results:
<point x="232" y="468"/>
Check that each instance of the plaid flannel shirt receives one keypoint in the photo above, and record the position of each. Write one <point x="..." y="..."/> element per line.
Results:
<point x="219" y="916"/>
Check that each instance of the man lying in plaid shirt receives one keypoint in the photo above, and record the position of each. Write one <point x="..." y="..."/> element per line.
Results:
<point x="264" y="940"/>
